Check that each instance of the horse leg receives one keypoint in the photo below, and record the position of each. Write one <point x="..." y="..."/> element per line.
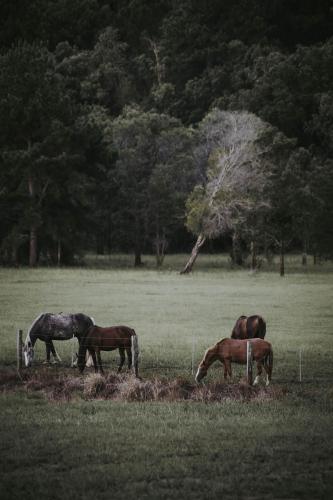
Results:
<point x="122" y="358"/>
<point x="129" y="357"/>
<point x="93" y="355"/>
<point x="99" y="360"/>
<point x="259" y="372"/>
<point x="89" y="359"/>
<point x="227" y="368"/>
<point x="54" y="353"/>
<point x="48" y="351"/>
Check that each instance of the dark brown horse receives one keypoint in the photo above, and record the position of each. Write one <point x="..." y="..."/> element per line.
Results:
<point x="249" y="327"/>
<point x="230" y="350"/>
<point x="99" y="339"/>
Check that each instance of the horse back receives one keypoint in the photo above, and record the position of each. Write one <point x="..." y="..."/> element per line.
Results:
<point x="260" y="348"/>
<point x="236" y="349"/>
<point x="109" y="338"/>
<point x="239" y="330"/>
<point x="58" y="326"/>
<point x="255" y="327"/>
<point x="232" y="349"/>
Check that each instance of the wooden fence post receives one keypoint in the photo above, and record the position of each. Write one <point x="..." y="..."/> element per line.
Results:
<point x="249" y="370"/>
<point x="192" y="359"/>
<point x="300" y="364"/>
<point x="19" y="349"/>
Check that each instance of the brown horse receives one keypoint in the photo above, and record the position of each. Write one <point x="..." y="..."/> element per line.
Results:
<point x="230" y="350"/>
<point x="99" y="339"/>
<point x="249" y="327"/>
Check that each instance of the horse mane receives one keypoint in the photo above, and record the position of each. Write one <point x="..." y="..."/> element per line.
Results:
<point x="210" y="350"/>
<point x="32" y="325"/>
<point x="221" y="341"/>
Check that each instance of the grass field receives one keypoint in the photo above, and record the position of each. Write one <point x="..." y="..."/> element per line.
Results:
<point x="104" y="448"/>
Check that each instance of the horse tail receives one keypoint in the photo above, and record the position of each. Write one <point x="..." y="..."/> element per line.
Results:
<point x="255" y="327"/>
<point x="83" y="346"/>
<point x="250" y="327"/>
<point x="135" y="351"/>
<point x="269" y="362"/>
<point x="81" y="360"/>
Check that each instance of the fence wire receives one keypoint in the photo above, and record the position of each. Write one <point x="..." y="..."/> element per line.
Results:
<point x="289" y="365"/>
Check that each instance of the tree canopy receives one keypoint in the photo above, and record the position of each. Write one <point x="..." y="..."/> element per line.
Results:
<point x="120" y="120"/>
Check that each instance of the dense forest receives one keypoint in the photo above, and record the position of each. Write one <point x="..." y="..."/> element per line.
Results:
<point x="156" y="125"/>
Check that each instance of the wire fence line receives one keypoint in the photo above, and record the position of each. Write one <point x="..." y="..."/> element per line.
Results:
<point x="186" y="354"/>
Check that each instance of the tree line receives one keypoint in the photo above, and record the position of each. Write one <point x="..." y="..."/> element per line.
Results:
<point x="156" y="126"/>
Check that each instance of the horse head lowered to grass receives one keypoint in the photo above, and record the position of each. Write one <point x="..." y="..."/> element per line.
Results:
<point x="229" y="351"/>
<point x="48" y="327"/>
<point x="99" y="339"/>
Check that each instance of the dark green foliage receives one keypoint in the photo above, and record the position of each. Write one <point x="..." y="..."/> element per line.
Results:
<point x="69" y="69"/>
<point x="41" y="165"/>
<point x="153" y="175"/>
<point x="52" y="21"/>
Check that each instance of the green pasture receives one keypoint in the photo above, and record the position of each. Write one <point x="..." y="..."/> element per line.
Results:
<point x="111" y="449"/>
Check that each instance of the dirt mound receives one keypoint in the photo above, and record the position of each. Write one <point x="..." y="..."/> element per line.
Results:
<point x="59" y="385"/>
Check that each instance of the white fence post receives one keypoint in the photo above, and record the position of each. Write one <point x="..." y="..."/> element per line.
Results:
<point x="249" y="370"/>
<point x="19" y="349"/>
<point x="192" y="361"/>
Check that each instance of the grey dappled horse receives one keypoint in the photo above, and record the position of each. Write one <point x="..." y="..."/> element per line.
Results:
<point x="48" y="327"/>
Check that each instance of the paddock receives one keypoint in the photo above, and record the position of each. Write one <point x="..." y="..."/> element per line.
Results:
<point x="296" y="360"/>
<point x="279" y="429"/>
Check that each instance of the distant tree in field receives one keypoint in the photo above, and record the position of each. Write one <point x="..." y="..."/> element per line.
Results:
<point x="234" y="181"/>
<point x="153" y="171"/>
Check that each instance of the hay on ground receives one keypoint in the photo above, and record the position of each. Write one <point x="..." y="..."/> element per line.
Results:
<point x="59" y="385"/>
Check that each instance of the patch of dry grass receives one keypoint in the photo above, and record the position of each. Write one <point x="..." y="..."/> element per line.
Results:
<point x="65" y="386"/>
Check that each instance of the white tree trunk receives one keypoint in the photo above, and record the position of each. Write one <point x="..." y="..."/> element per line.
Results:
<point x="194" y="254"/>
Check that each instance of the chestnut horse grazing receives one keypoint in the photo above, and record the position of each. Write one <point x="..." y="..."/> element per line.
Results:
<point x="249" y="327"/>
<point x="230" y="350"/>
<point x="99" y="339"/>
